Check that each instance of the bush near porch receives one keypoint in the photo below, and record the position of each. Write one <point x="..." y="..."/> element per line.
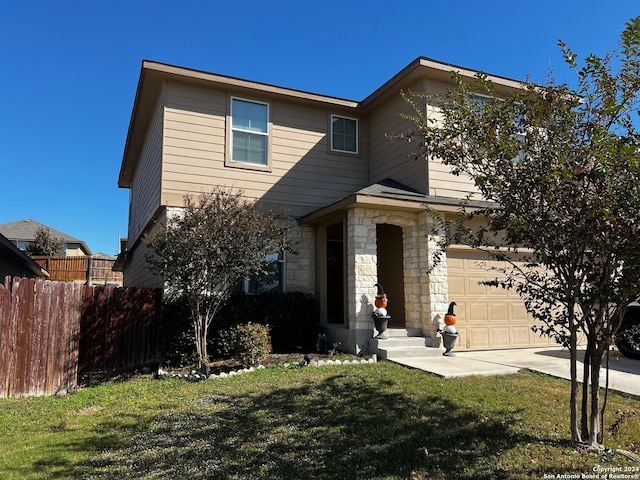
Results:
<point x="293" y="318"/>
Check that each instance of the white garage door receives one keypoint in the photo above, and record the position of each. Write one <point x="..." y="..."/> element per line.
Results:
<point x="487" y="317"/>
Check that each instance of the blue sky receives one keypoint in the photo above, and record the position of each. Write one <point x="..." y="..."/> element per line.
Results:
<point x="69" y="70"/>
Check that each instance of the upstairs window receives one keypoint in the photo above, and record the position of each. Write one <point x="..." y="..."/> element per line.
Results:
<point x="344" y="134"/>
<point x="249" y="132"/>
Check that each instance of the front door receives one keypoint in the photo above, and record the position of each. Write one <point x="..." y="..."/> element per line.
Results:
<point x="390" y="270"/>
<point x="335" y="273"/>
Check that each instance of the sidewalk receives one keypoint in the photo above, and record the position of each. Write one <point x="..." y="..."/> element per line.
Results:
<point x="624" y="373"/>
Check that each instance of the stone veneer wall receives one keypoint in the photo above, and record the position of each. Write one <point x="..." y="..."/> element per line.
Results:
<point x="425" y="295"/>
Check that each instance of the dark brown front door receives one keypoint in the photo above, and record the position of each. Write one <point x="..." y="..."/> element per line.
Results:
<point x="390" y="270"/>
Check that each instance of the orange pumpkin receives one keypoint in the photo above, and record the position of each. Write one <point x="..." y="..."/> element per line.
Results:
<point x="381" y="297"/>
<point x="381" y="301"/>
<point x="450" y="317"/>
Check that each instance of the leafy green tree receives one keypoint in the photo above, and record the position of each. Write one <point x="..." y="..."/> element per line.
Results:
<point x="204" y="253"/>
<point x="559" y="171"/>
<point x="45" y="244"/>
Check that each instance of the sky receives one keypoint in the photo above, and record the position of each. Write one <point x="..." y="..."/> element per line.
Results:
<point x="69" y="71"/>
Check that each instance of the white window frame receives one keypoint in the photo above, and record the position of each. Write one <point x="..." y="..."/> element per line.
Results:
<point x="331" y="120"/>
<point x="233" y="129"/>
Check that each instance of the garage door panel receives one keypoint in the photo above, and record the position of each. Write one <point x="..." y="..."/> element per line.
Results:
<point x="477" y="336"/>
<point x="473" y="287"/>
<point x="456" y="286"/>
<point x="476" y="311"/>
<point x="518" y="310"/>
<point x="499" y="336"/>
<point x="499" y="312"/>
<point x="521" y="336"/>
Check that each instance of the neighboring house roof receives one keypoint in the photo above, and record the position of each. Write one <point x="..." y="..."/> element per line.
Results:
<point x="389" y="194"/>
<point x="153" y="74"/>
<point x="25" y="231"/>
<point x="14" y="261"/>
<point x="103" y="256"/>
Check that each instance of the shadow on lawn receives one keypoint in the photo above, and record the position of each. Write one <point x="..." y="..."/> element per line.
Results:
<point x="337" y="427"/>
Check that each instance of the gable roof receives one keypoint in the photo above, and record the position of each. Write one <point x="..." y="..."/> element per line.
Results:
<point x="25" y="230"/>
<point x="153" y="74"/>
<point x="15" y="256"/>
<point x="424" y="67"/>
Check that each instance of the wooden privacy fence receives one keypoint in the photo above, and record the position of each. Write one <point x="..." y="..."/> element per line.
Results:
<point x="93" y="270"/>
<point x="51" y="331"/>
<point x="118" y="327"/>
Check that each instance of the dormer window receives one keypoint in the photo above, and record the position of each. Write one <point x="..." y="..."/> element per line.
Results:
<point x="344" y="134"/>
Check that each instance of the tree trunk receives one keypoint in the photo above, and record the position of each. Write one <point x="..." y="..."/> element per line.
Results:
<point x="594" y="418"/>
<point x="586" y="369"/>
<point x="205" y="350"/>
<point x="573" y="342"/>
<point x="197" y="331"/>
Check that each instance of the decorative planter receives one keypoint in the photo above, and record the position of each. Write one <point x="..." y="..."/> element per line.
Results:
<point x="449" y="341"/>
<point x="381" y="322"/>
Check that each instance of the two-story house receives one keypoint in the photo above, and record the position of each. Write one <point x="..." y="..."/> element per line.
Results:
<point x="333" y="167"/>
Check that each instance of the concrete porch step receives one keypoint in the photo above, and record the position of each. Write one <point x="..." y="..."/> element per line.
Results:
<point x="401" y="345"/>
<point x="400" y="342"/>
<point x="411" y="352"/>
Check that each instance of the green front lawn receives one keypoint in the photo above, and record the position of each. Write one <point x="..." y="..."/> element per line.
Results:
<point x="375" y="421"/>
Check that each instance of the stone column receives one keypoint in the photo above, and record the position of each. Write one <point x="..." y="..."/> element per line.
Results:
<point x="436" y="289"/>
<point x="362" y="261"/>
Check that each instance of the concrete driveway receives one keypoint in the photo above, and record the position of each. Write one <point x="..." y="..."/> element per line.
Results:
<point x="624" y="373"/>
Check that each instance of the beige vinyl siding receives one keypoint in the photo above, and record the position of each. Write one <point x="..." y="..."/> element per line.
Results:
<point x="441" y="182"/>
<point x="145" y="191"/>
<point x="391" y="158"/>
<point x="137" y="272"/>
<point x="388" y="157"/>
<point x="74" y="251"/>
<point x="303" y="174"/>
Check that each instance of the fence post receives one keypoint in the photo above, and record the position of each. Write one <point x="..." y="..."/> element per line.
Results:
<point x="89" y="261"/>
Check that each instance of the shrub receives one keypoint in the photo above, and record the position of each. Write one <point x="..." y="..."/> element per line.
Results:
<point x="176" y="339"/>
<point x="252" y="344"/>
<point x="225" y="342"/>
<point x="293" y="318"/>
